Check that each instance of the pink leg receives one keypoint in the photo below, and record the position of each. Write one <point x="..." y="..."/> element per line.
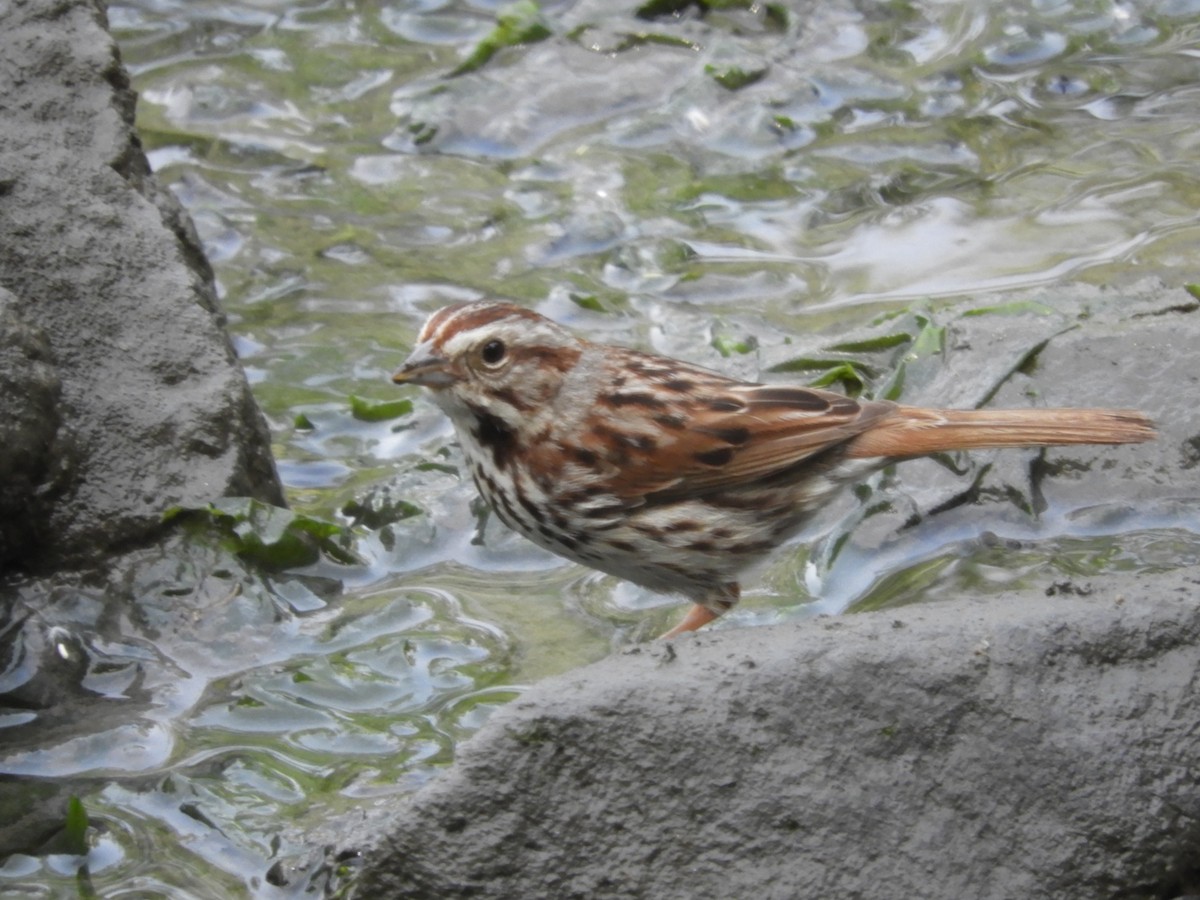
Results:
<point x="697" y="617"/>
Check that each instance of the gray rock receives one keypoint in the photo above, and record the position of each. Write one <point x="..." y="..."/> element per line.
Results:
<point x="1018" y="747"/>
<point x="29" y="423"/>
<point x="152" y="408"/>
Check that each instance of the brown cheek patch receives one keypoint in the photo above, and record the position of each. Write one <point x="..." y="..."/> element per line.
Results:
<point x="512" y="398"/>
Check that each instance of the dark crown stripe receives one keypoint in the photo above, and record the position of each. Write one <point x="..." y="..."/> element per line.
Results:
<point x="469" y="316"/>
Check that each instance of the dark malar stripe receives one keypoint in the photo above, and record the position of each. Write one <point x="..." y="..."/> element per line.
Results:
<point x="493" y="435"/>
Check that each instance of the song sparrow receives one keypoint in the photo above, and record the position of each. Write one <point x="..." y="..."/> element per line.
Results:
<point x="669" y="475"/>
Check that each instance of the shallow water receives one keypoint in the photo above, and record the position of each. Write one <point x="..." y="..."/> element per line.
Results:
<point x="721" y="188"/>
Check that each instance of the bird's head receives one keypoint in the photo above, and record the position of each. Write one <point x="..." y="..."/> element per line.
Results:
<point x="491" y="358"/>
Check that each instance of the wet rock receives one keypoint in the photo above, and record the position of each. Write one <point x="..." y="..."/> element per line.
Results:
<point x="1021" y="746"/>
<point x="136" y="401"/>
<point x="1073" y="345"/>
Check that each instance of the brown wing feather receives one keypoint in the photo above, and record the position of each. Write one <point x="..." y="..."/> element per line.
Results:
<point x="787" y="425"/>
<point x="704" y="432"/>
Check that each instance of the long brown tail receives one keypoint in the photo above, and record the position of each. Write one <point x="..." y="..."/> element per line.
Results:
<point x="913" y="431"/>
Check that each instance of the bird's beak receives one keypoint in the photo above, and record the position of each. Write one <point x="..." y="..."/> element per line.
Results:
<point x="426" y="369"/>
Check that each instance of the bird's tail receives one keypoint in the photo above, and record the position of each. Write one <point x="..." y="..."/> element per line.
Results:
<point x="913" y="431"/>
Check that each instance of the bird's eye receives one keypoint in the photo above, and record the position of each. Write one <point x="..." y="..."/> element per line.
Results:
<point x="493" y="353"/>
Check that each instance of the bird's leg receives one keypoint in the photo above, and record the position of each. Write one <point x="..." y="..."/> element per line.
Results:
<point x="700" y="615"/>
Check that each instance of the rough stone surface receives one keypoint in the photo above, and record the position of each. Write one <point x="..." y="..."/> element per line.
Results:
<point x="1127" y="347"/>
<point x="103" y="265"/>
<point x="29" y="422"/>
<point x="1018" y="747"/>
<point x="1034" y="744"/>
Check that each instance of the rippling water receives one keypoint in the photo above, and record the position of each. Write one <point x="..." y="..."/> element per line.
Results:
<point x="720" y="187"/>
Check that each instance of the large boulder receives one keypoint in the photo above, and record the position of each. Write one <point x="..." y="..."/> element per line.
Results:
<point x="1022" y="746"/>
<point x="135" y="399"/>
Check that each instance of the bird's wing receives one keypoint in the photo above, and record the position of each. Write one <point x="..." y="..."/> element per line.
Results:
<point x="671" y="430"/>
